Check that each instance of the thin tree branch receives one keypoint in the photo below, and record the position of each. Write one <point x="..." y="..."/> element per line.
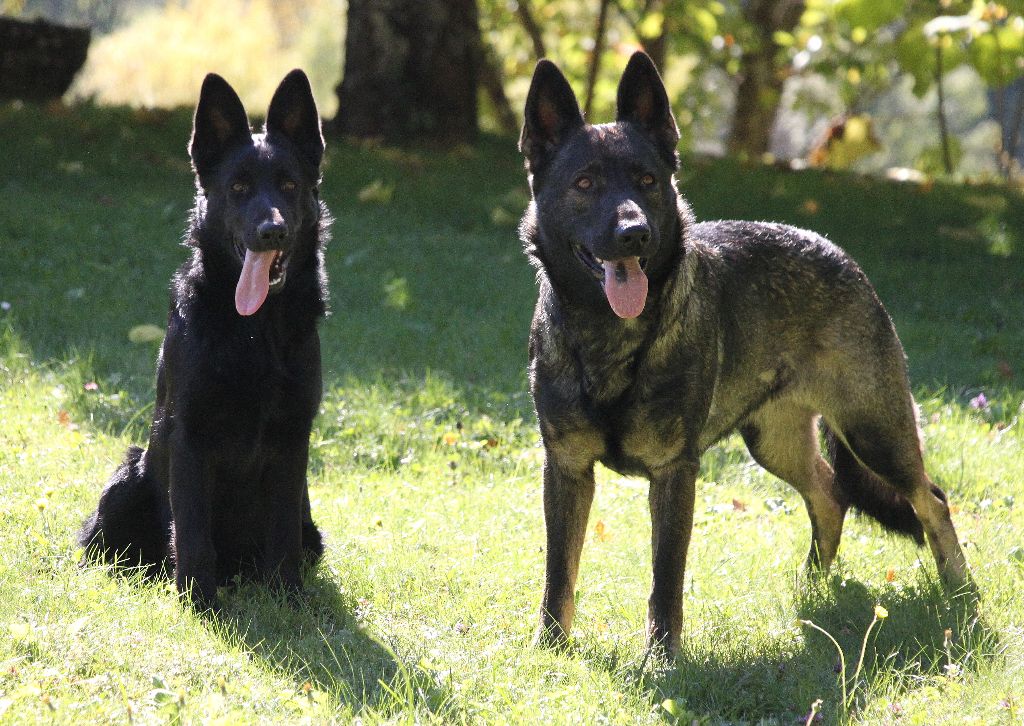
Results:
<point x="1014" y="141"/>
<point x="595" y="58"/>
<point x="529" y="23"/>
<point x="493" y="83"/>
<point x="947" y="159"/>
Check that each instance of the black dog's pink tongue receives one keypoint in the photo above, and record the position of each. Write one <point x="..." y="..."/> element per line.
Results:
<point x="254" y="282"/>
<point x="625" y="286"/>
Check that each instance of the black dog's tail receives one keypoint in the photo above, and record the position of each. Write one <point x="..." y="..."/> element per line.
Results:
<point x="131" y="524"/>
<point x="868" y="493"/>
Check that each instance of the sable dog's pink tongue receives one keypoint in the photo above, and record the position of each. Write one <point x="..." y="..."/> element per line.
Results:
<point x="254" y="282"/>
<point x="625" y="286"/>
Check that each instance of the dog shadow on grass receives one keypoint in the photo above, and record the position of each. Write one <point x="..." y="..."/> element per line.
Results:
<point x="316" y="641"/>
<point x="921" y="636"/>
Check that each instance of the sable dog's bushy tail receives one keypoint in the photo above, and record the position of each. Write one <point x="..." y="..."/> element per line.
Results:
<point x="869" y="494"/>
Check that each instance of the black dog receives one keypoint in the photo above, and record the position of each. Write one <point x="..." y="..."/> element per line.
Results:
<point x="654" y="337"/>
<point x="221" y="490"/>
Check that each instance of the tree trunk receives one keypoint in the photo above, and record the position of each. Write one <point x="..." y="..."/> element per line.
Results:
<point x="761" y="78"/>
<point x="411" y="70"/>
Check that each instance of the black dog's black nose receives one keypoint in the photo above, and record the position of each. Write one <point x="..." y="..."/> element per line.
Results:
<point x="633" y="238"/>
<point x="272" y="233"/>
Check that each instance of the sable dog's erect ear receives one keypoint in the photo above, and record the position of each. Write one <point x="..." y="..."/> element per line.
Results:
<point x="552" y="113"/>
<point x="642" y="101"/>
<point x="220" y="123"/>
<point x="293" y="114"/>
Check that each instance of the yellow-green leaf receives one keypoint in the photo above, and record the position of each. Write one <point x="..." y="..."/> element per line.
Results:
<point x="20" y="631"/>
<point x="145" y="334"/>
<point x="782" y="38"/>
<point x="376" y="192"/>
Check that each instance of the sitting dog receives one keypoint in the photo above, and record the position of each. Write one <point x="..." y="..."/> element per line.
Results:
<point x="221" y="489"/>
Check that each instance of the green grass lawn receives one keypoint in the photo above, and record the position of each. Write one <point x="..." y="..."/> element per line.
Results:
<point x="426" y="465"/>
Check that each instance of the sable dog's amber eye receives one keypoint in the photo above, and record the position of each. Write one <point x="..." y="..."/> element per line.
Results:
<point x="288" y="185"/>
<point x="647" y="180"/>
<point x="584" y="183"/>
<point x="239" y="187"/>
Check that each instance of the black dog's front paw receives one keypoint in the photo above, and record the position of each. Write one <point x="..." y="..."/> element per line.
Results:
<point x="198" y="593"/>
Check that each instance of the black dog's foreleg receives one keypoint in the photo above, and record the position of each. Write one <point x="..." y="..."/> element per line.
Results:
<point x="568" y="495"/>
<point x="312" y="539"/>
<point x="195" y="558"/>
<point x="284" y="484"/>
<point x="671" y="500"/>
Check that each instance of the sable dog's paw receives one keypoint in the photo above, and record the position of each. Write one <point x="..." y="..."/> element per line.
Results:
<point x="551" y="634"/>
<point x="661" y="642"/>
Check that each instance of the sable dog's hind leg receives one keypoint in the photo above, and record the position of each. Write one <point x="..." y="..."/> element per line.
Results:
<point x="783" y="438"/>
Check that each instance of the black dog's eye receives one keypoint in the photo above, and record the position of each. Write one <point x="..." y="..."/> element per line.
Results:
<point x="288" y="185"/>
<point x="239" y="187"/>
<point x="647" y="180"/>
<point x="584" y="183"/>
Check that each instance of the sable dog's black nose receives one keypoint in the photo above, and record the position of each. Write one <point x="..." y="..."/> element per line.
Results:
<point x="633" y="237"/>
<point x="272" y="233"/>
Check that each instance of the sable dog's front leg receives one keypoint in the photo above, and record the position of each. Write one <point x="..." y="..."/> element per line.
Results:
<point x="671" y="501"/>
<point x="195" y="559"/>
<point x="568" y="494"/>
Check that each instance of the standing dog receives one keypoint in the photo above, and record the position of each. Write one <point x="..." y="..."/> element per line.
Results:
<point x="221" y="490"/>
<point x="654" y="337"/>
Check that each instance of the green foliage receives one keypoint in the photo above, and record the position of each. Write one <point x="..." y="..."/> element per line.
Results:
<point x="988" y="37"/>
<point x="996" y="53"/>
<point x="917" y="57"/>
<point x="867" y="14"/>
<point x="425" y="465"/>
<point x="931" y="162"/>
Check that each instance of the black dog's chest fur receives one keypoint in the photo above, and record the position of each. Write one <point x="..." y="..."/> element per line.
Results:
<point x="251" y="381"/>
<point x="638" y="395"/>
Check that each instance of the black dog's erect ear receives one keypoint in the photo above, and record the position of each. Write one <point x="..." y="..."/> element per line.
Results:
<point x="293" y="114"/>
<point x="220" y="123"/>
<point x="642" y="101"/>
<point x="552" y="113"/>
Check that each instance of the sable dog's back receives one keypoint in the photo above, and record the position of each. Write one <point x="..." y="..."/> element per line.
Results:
<point x="791" y="311"/>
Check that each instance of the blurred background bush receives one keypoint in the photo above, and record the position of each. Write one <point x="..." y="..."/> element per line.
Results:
<point x="933" y="88"/>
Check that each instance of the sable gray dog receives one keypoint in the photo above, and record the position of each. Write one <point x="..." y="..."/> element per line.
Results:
<point x="654" y="337"/>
